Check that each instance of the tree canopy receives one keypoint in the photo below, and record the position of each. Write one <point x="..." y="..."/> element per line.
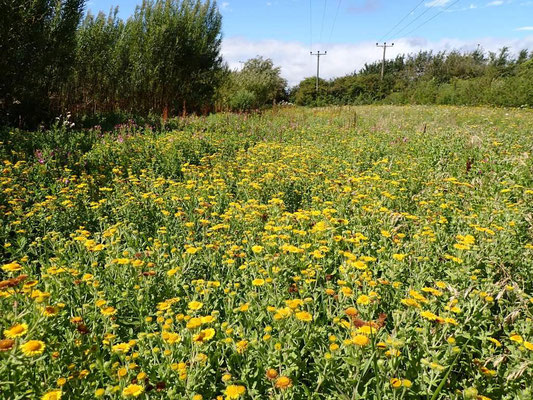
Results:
<point x="257" y="84"/>
<point x="163" y="59"/>
<point x="468" y="78"/>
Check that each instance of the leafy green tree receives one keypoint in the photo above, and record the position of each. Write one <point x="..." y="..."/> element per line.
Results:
<point x="95" y="84"/>
<point x="469" y="78"/>
<point x="258" y="84"/>
<point x="164" y="59"/>
<point x="37" y="43"/>
<point x="304" y="94"/>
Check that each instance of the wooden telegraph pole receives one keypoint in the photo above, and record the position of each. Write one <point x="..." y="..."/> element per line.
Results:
<point x="384" y="45"/>
<point x="318" y="54"/>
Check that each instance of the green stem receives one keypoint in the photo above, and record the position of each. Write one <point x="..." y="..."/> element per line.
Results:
<point x="445" y="377"/>
<point x="375" y="362"/>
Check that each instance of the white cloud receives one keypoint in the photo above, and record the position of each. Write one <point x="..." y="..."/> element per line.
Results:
<point x="225" y="5"/>
<point x="296" y="62"/>
<point x="495" y="3"/>
<point x="524" y="28"/>
<point x="437" y="3"/>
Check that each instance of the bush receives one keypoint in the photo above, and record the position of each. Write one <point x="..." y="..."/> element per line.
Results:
<point x="243" y="100"/>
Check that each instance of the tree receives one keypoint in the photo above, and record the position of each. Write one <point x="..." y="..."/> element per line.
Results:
<point x="304" y="94"/>
<point x="452" y="77"/>
<point x="165" y="58"/>
<point x="259" y="83"/>
<point x="37" y="43"/>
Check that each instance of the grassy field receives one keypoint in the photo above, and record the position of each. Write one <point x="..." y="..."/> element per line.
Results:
<point x="339" y="253"/>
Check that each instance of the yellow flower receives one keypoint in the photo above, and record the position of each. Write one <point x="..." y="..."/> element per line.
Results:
<point x="283" y="382"/>
<point x="100" y="302"/>
<point x="271" y="374"/>
<point x="121" y="348"/>
<point x="360" y="340"/>
<point x="258" y="282"/>
<point x="399" y="257"/>
<point x="194" y="323"/>
<point x="171" y="337"/>
<point x="304" y="316"/>
<point x="411" y="303"/>
<point x="204" y="336"/>
<point x="367" y="330"/>
<point x="108" y="311"/>
<point x="488" y="372"/>
<point x="395" y="383"/>
<point x="195" y="305"/>
<point x="363" y="300"/>
<point x="257" y="249"/>
<point x="282" y="313"/>
<point x="234" y="391"/>
<point x="359" y="265"/>
<point x="141" y="375"/>
<point x="317" y="254"/>
<point x="407" y="383"/>
<point x="50" y="311"/>
<point x="347" y="291"/>
<point x="207" y="319"/>
<point x="99" y="392"/>
<point x="12" y="267"/>
<point x="16" y="330"/>
<point x="33" y="348"/>
<point x="516" y="338"/>
<point x="209" y="333"/>
<point x="192" y="250"/>
<point x="52" y="395"/>
<point x="528" y="345"/>
<point x="226" y="377"/>
<point x="428" y="315"/>
<point x="241" y="346"/>
<point x="351" y="312"/>
<point x="133" y="391"/>
<point x="294" y="303"/>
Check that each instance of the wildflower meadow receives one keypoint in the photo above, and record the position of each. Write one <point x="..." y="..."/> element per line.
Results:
<point x="371" y="252"/>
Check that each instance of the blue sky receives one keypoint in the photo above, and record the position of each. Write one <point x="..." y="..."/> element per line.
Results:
<point x="285" y="30"/>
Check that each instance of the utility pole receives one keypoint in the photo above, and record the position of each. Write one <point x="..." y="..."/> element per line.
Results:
<point x="384" y="45"/>
<point x="318" y="54"/>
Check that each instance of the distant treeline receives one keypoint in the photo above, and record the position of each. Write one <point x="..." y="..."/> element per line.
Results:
<point x="470" y="78"/>
<point x="163" y="59"/>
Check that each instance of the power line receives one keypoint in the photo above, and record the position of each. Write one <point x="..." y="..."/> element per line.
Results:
<point x="403" y="19"/>
<point x="335" y="20"/>
<point x="323" y="18"/>
<point x="310" y="25"/>
<point x="433" y="17"/>
<point x="413" y="21"/>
